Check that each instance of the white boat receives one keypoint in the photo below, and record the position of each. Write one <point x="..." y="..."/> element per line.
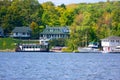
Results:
<point x="92" y="48"/>
<point x="32" y="48"/>
<point x="117" y="49"/>
<point x="43" y="46"/>
<point x="88" y="50"/>
<point x="56" y="49"/>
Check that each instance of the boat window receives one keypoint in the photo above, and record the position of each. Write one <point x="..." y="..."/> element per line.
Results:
<point x="42" y="46"/>
<point x="118" y="48"/>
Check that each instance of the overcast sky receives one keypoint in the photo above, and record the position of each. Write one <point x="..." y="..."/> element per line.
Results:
<point x="58" y="2"/>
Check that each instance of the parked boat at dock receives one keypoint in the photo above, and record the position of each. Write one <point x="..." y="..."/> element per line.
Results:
<point x="88" y="50"/>
<point x="32" y="48"/>
<point x="92" y="48"/>
<point x="43" y="46"/>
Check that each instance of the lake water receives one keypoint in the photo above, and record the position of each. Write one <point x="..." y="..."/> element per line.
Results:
<point x="59" y="66"/>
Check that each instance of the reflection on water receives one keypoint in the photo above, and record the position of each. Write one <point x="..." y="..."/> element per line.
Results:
<point x="59" y="66"/>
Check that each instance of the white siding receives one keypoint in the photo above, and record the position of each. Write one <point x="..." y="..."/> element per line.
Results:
<point x="21" y="35"/>
<point x="110" y="43"/>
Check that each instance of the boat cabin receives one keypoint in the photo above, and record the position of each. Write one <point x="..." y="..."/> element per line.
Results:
<point x="44" y="41"/>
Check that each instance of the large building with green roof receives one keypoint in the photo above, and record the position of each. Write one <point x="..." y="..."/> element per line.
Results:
<point x="55" y="32"/>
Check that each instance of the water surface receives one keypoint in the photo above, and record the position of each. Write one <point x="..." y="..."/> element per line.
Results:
<point x="59" y="66"/>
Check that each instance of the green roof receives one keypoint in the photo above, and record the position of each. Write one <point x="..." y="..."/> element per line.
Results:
<point x="55" y="30"/>
<point x="21" y="29"/>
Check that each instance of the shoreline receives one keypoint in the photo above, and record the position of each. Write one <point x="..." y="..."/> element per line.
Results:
<point x="8" y="50"/>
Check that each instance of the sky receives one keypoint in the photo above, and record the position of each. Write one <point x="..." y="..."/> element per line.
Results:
<point x="58" y="2"/>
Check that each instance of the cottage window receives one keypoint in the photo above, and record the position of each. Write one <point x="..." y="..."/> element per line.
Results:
<point x="106" y="40"/>
<point x="16" y="33"/>
<point x="117" y="40"/>
<point x="112" y="40"/>
<point x="40" y="35"/>
<point x="23" y="33"/>
<point x="51" y="30"/>
<point x="28" y="34"/>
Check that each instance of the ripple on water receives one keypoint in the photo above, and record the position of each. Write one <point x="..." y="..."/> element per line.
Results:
<point x="49" y="66"/>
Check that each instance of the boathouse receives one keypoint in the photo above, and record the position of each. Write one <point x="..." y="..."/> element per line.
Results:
<point x="110" y="43"/>
<point x="55" y="32"/>
<point x="21" y="32"/>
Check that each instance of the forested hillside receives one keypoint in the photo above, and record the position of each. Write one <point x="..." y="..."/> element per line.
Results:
<point x="88" y="21"/>
<point x="94" y="22"/>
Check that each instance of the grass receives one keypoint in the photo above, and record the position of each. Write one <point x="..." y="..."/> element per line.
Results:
<point x="10" y="43"/>
<point x="7" y="43"/>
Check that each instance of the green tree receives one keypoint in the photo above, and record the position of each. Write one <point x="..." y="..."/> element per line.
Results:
<point x="61" y="42"/>
<point x="51" y="15"/>
<point x="35" y="30"/>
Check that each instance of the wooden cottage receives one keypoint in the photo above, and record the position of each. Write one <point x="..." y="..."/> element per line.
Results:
<point x="21" y="32"/>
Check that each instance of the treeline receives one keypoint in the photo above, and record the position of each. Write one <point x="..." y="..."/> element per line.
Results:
<point x="94" y="22"/>
<point x="31" y="13"/>
<point x="88" y="21"/>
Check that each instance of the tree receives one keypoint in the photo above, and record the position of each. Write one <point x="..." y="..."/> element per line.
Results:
<point x="61" y="42"/>
<point x="35" y="30"/>
<point x="51" y="15"/>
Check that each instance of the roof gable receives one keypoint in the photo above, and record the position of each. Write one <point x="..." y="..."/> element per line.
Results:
<point x="21" y="29"/>
<point x="112" y="38"/>
<point x="55" y="30"/>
